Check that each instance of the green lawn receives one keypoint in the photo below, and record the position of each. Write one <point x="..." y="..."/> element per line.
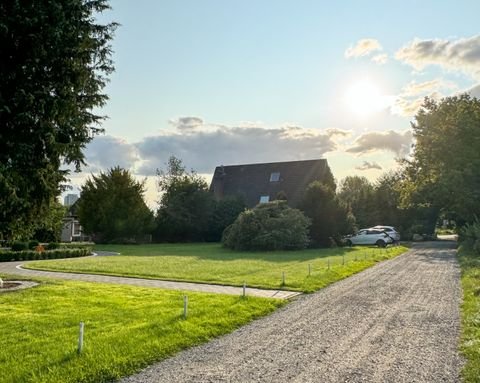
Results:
<point x="210" y="263"/>
<point x="126" y="328"/>
<point x="470" y="343"/>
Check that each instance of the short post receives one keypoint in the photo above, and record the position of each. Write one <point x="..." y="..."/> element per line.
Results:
<point x="283" y="278"/>
<point x="1" y="283"/>
<point x="80" y="338"/>
<point x="244" y="288"/>
<point x="185" y="306"/>
<point x="309" y="269"/>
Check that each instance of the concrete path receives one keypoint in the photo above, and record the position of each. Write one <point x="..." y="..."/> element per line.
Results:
<point x="395" y="322"/>
<point x="16" y="269"/>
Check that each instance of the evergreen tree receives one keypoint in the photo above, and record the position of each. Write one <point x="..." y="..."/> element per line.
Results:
<point x="55" y="59"/>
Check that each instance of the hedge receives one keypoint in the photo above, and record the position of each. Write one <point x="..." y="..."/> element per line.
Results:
<point x="30" y="255"/>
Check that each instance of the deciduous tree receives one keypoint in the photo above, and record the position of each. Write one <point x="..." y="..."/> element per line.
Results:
<point x="443" y="173"/>
<point x="185" y="205"/>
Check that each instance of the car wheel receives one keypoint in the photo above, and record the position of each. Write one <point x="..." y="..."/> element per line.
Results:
<point x="381" y="243"/>
<point x="349" y="243"/>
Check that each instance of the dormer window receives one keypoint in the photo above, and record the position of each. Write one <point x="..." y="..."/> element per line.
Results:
<point x="264" y="199"/>
<point x="275" y="177"/>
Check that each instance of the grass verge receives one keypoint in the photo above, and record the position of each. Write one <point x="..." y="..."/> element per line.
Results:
<point x="126" y="328"/>
<point x="470" y="341"/>
<point x="305" y="270"/>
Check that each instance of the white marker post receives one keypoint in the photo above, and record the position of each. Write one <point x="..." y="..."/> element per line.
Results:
<point x="185" y="306"/>
<point x="244" y="288"/>
<point x="80" y="338"/>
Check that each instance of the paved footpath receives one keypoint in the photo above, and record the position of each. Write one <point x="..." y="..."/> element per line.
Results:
<point x="395" y="322"/>
<point x="15" y="268"/>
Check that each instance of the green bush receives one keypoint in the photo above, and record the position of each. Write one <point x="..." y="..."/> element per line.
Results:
<point x="32" y="244"/>
<point x="470" y="235"/>
<point x="76" y="245"/>
<point x="269" y="226"/>
<point x="28" y="255"/>
<point x="53" y="246"/>
<point x="19" y="246"/>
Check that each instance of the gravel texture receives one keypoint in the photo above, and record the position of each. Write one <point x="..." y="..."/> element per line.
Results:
<point x="395" y="322"/>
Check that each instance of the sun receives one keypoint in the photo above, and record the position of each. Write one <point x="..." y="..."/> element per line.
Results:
<point x="364" y="98"/>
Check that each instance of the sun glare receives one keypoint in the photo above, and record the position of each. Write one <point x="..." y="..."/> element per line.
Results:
<point x="364" y="98"/>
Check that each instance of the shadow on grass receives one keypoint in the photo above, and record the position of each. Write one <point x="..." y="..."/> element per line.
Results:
<point x="215" y="251"/>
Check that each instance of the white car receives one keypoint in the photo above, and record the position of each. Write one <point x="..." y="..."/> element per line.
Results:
<point x="369" y="237"/>
<point x="390" y="230"/>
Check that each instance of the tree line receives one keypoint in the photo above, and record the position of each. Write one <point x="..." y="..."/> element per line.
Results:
<point x="56" y="60"/>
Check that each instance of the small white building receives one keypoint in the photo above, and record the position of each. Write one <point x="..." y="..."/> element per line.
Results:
<point x="72" y="231"/>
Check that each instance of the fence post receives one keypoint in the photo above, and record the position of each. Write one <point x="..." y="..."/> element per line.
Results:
<point x="185" y="306"/>
<point x="80" y="338"/>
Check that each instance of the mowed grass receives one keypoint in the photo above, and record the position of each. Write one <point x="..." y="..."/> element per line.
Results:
<point x="306" y="270"/>
<point x="126" y="328"/>
<point x="470" y="342"/>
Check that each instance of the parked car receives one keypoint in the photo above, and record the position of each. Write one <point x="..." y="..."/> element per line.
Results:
<point x="369" y="237"/>
<point x="390" y="230"/>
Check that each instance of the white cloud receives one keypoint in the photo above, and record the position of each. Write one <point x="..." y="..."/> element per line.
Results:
<point x="380" y="59"/>
<point x="398" y="143"/>
<point x="108" y="151"/>
<point x="462" y="55"/>
<point x="474" y="91"/>
<point x="205" y="149"/>
<point x="412" y="95"/>
<point x="363" y="47"/>
<point x="422" y="88"/>
<point x="332" y="132"/>
<point x="368" y="165"/>
<point x="186" y="123"/>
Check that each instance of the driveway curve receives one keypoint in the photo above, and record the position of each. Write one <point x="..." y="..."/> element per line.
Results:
<point x="15" y="268"/>
<point x="395" y="322"/>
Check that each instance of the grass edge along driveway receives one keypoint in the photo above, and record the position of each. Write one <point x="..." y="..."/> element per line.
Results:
<point x="304" y="271"/>
<point x="470" y="339"/>
<point x="126" y="328"/>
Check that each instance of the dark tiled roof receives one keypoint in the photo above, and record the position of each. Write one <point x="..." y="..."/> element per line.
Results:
<point x="253" y="181"/>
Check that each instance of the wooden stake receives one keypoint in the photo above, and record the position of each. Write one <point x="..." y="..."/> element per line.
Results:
<point x="185" y="306"/>
<point x="80" y="338"/>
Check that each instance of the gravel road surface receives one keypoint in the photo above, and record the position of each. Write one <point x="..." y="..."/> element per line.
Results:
<point x="395" y="322"/>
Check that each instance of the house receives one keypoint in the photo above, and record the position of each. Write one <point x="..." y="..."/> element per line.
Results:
<point x="260" y="183"/>
<point x="71" y="229"/>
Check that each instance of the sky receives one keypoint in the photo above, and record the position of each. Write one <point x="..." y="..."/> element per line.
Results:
<point x="230" y="82"/>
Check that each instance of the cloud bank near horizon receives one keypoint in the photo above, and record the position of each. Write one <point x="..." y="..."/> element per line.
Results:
<point x="203" y="146"/>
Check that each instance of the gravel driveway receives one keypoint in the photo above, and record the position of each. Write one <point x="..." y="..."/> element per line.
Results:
<point x="395" y="322"/>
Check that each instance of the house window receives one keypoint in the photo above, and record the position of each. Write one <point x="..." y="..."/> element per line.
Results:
<point x="275" y="177"/>
<point x="264" y="198"/>
<point x="77" y="229"/>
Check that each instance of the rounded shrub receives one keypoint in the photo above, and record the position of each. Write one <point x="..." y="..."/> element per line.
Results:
<point x="269" y="226"/>
<point x="19" y="246"/>
<point x="53" y="246"/>
<point x="33" y="244"/>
